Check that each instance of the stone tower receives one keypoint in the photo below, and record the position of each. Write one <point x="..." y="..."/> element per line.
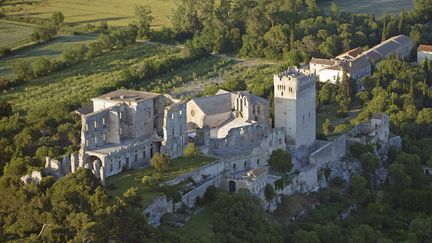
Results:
<point x="294" y="97"/>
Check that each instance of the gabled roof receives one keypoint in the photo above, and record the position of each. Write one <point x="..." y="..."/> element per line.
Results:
<point x="256" y="172"/>
<point x="216" y="104"/>
<point x="401" y="39"/>
<point x="425" y="48"/>
<point x="127" y="95"/>
<point x="353" y="53"/>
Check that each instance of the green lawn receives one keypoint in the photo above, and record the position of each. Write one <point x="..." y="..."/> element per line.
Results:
<point x="376" y="7"/>
<point x="50" y="49"/>
<point x="132" y="178"/>
<point x="114" y="12"/>
<point x="13" y="34"/>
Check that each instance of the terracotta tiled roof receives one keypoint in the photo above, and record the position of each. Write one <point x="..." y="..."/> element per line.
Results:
<point x="353" y="53"/>
<point x="322" y="61"/>
<point x="425" y="48"/>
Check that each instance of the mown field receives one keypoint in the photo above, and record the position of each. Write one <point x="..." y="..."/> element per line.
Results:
<point x="84" y="11"/>
<point x="50" y="49"/>
<point x="13" y="34"/>
<point x="375" y="7"/>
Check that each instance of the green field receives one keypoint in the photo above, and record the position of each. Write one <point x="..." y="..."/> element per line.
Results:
<point x="80" y="82"/>
<point x="84" y="11"/>
<point x="13" y="34"/>
<point x="52" y="48"/>
<point x="132" y="178"/>
<point x="375" y="7"/>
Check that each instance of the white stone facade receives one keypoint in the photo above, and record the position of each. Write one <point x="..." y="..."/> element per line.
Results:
<point x="125" y="128"/>
<point x="295" y="106"/>
<point x="424" y="52"/>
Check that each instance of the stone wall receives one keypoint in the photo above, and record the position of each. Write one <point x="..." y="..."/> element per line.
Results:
<point x="330" y="152"/>
<point x="174" y="130"/>
<point x="189" y="198"/>
<point x="160" y="206"/>
<point x="246" y="135"/>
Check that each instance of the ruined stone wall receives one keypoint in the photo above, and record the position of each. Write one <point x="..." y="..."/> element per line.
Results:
<point x="174" y="130"/>
<point x="331" y="152"/>
<point x="160" y="206"/>
<point x="250" y="134"/>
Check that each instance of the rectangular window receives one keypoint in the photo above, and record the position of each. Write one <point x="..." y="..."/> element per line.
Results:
<point x="111" y="166"/>
<point x="119" y="165"/>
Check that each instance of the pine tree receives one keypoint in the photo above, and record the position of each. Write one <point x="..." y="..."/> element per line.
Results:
<point x="344" y="92"/>
<point x="401" y="22"/>
<point x="292" y="37"/>
<point x="384" y="31"/>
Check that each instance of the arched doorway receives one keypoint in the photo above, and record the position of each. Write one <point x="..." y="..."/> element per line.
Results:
<point x="231" y="186"/>
<point x="94" y="163"/>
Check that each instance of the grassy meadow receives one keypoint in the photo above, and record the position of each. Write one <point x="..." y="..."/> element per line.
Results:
<point x="49" y="49"/>
<point x="375" y="7"/>
<point x="118" y="13"/>
<point x="14" y="34"/>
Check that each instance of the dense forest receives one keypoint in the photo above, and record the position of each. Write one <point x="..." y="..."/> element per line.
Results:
<point x="76" y="208"/>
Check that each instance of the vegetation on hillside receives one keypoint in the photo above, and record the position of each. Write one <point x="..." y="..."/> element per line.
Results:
<point x="36" y="121"/>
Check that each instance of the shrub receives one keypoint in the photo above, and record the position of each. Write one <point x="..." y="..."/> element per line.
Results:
<point x="58" y="18"/>
<point x="280" y="160"/>
<point x="357" y="149"/>
<point x="191" y="151"/>
<point x="3" y="83"/>
<point x="74" y="54"/>
<point x="22" y="70"/>
<point x="41" y="67"/>
<point x="150" y="181"/>
<point x="341" y="128"/>
<point x="4" y="51"/>
<point x="269" y="192"/>
<point x="160" y="162"/>
<point x="327" y="127"/>
<point x="94" y="49"/>
<point x="210" y="194"/>
<point x="5" y="108"/>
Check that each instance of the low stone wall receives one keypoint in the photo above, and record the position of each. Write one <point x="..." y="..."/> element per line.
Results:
<point x="189" y="198"/>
